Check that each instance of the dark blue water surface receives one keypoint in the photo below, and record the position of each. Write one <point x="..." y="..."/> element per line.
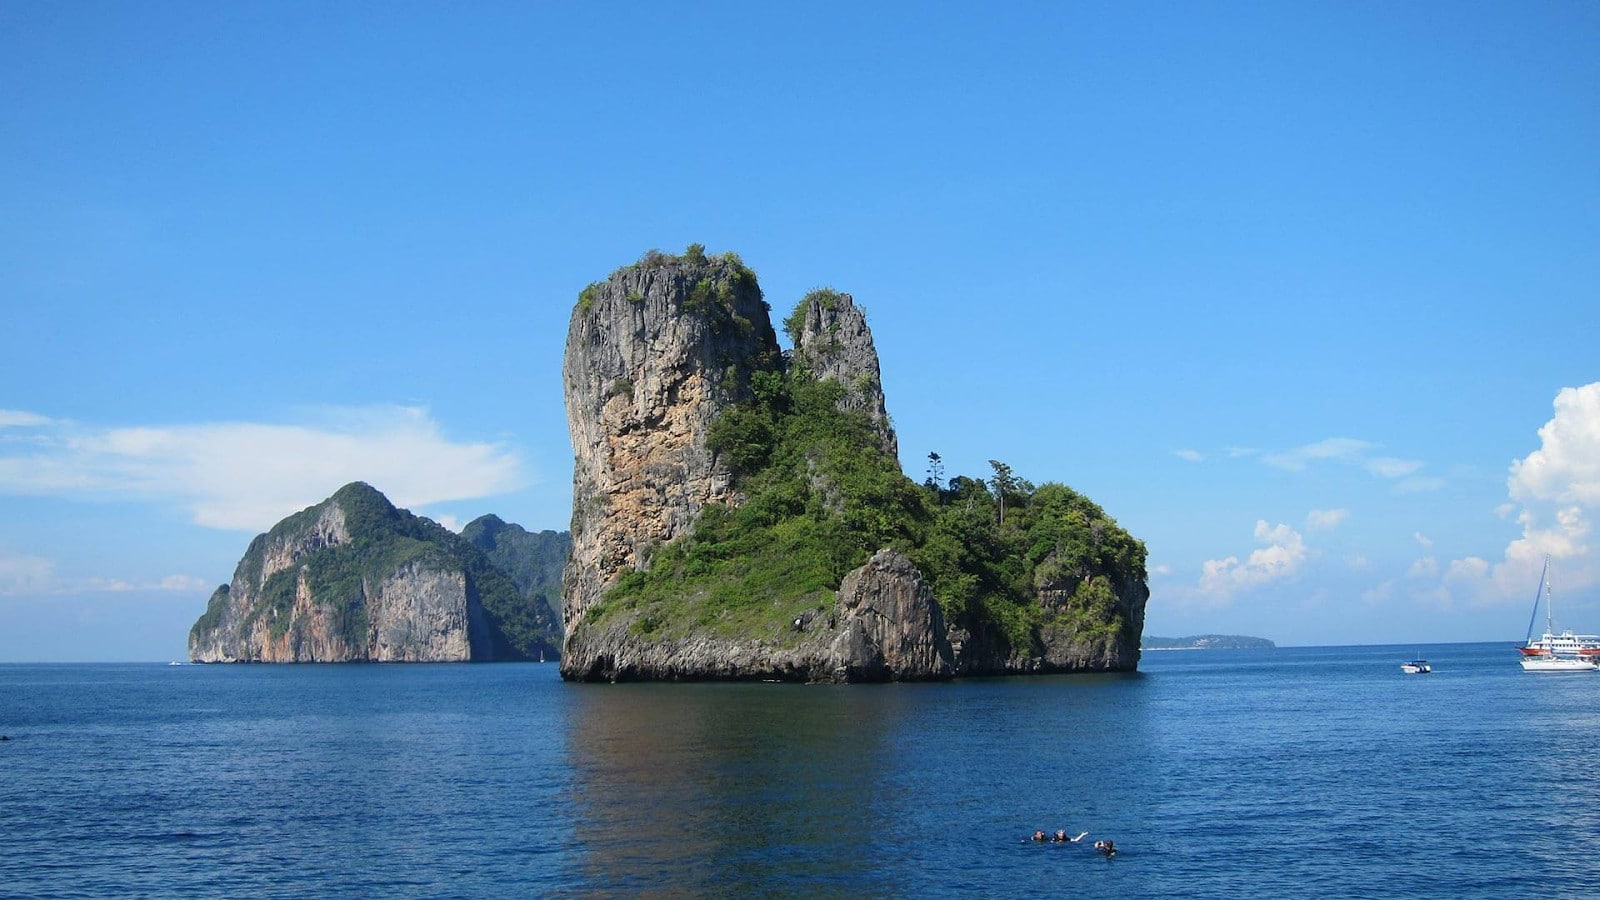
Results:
<point x="1318" y="772"/>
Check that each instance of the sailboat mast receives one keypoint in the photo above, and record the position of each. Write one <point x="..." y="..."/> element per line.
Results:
<point x="1549" y="614"/>
<point x="1533" y="616"/>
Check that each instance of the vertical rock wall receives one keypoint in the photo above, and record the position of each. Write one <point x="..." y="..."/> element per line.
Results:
<point x="653" y="354"/>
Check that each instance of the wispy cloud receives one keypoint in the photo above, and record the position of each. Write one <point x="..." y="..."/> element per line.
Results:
<point x="1418" y="485"/>
<point x="1359" y="453"/>
<point x="24" y="575"/>
<point x="1390" y="467"/>
<point x="1190" y="455"/>
<point x="18" y="418"/>
<point x="246" y="475"/>
<point x="1301" y="458"/>
<point x="1326" y="519"/>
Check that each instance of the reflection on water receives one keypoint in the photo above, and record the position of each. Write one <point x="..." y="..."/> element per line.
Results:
<point x="893" y="790"/>
<point x="702" y="787"/>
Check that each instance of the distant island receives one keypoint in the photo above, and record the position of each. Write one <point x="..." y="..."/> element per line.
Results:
<point x="353" y="579"/>
<point x="1207" y="642"/>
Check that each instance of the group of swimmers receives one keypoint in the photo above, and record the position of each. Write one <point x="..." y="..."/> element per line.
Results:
<point x="1104" y="848"/>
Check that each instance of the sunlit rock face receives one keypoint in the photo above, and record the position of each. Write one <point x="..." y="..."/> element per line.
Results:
<point x="653" y="355"/>
<point x="353" y="579"/>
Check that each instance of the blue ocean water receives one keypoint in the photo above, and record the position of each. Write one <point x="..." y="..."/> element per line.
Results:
<point x="1318" y="772"/>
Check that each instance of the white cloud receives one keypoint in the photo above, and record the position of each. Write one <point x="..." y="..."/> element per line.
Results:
<point x="1554" y="496"/>
<point x="1423" y="539"/>
<point x="186" y="584"/>
<point x="21" y="574"/>
<point x="1297" y="459"/>
<point x="1359" y="562"/>
<point x="16" y="418"/>
<point x="246" y="476"/>
<point x="1190" y="455"/>
<point x="1354" y="452"/>
<point x="1566" y="467"/>
<point x="448" y="521"/>
<point x="1284" y="554"/>
<point x="1326" y="519"/>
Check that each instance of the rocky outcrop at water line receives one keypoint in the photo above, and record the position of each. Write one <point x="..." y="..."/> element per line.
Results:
<point x="884" y="626"/>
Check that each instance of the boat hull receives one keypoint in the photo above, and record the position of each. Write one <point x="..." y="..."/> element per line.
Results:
<point x="1558" y="664"/>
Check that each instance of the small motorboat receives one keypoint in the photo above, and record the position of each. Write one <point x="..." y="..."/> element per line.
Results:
<point x="1416" y="667"/>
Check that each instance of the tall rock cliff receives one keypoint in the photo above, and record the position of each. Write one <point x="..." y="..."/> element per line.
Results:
<point x="653" y="354"/>
<point x="355" y="579"/>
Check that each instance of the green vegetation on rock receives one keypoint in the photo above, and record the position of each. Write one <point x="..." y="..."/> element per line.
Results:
<point x="532" y="560"/>
<point x="1004" y="558"/>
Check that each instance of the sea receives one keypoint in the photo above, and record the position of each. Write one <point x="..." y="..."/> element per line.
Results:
<point x="1293" y="772"/>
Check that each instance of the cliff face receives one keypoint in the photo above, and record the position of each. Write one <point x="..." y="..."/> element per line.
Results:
<point x="653" y="354"/>
<point x="354" y="579"/>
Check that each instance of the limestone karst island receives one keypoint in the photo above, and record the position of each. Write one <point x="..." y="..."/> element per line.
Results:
<point x="738" y="512"/>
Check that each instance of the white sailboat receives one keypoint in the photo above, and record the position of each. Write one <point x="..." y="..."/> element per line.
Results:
<point x="1557" y="652"/>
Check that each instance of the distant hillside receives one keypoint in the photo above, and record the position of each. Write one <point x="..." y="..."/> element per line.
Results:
<point x="1206" y="642"/>
<point x="353" y="579"/>
<point x="532" y="560"/>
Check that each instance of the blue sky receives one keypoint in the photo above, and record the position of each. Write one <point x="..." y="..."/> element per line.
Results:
<point x="1304" y="294"/>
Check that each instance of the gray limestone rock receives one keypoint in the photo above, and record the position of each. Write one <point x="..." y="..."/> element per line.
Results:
<point x="653" y="355"/>
<point x="890" y="628"/>
<point x="354" y="579"/>
<point x="833" y="341"/>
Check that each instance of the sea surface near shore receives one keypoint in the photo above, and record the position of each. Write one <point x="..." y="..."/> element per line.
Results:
<point x="1296" y="771"/>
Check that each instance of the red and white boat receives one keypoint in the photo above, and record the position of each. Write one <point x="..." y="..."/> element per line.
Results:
<point x="1553" y="651"/>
